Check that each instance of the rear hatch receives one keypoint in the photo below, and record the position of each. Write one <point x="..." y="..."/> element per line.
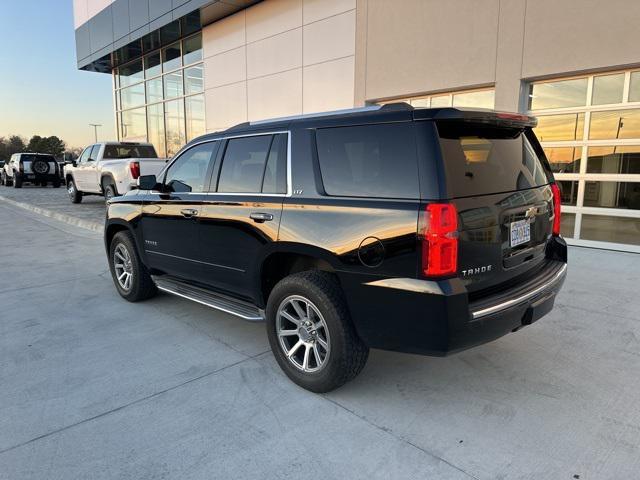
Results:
<point x="499" y="182"/>
<point x="38" y="164"/>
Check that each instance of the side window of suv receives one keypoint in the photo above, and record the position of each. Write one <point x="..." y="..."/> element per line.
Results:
<point x="376" y="161"/>
<point x="189" y="172"/>
<point x="243" y="166"/>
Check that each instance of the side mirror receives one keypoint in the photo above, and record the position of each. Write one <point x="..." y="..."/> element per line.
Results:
<point x="147" y="182"/>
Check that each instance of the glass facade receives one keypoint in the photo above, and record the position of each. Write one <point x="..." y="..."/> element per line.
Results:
<point x="484" y="98"/>
<point x="159" y="98"/>
<point x="589" y="128"/>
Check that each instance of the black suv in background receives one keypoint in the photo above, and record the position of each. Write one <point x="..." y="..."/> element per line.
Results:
<point x="416" y="230"/>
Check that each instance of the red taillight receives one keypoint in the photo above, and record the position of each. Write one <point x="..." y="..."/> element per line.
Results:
<point x="135" y="169"/>
<point x="440" y="240"/>
<point x="556" y="208"/>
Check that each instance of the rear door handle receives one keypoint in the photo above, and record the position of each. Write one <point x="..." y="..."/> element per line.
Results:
<point x="259" y="217"/>
<point x="189" y="212"/>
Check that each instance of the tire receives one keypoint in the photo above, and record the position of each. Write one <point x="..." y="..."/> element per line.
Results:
<point x="3" y="179"/>
<point x="39" y="166"/>
<point x="346" y="354"/>
<point x="56" y="183"/>
<point x="109" y="190"/>
<point x="7" y="181"/>
<point x="124" y="259"/>
<point x="17" y="180"/>
<point x="74" y="194"/>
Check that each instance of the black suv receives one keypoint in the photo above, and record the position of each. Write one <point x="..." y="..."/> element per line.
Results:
<point x="416" y="230"/>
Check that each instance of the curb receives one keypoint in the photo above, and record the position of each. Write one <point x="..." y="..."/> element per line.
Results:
<point x="61" y="217"/>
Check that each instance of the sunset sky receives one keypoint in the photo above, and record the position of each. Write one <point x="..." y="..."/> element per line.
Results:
<point x="41" y="90"/>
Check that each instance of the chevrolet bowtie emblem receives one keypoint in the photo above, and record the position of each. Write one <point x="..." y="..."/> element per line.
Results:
<point x="531" y="212"/>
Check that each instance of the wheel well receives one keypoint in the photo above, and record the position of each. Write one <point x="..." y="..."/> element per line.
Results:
<point x="280" y="265"/>
<point x="68" y="177"/>
<point x="111" y="232"/>
<point x="109" y="178"/>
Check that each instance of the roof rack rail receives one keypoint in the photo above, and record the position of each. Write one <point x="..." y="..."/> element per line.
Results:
<point x="370" y="108"/>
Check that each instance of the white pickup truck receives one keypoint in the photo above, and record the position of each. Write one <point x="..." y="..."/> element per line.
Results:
<point x="110" y="169"/>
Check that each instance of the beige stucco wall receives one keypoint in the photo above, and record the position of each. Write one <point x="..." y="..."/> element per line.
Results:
<point x="278" y="58"/>
<point x="412" y="47"/>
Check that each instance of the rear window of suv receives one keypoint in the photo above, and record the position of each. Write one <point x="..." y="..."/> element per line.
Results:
<point x="113" y="152"/>
<point x="376" y="161"/>
<point x="480" y="160"/>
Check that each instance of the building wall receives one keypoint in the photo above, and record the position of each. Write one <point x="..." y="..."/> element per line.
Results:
<point x="414" y="47"/>
<point x="278" y="58"/>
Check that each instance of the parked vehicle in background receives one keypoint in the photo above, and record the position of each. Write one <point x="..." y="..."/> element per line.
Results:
<point x="427" y="231"/>
<point x="110" y="169"/>
<point x="33" y="168"/>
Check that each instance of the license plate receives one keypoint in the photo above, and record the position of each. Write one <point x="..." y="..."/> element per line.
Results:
<point x="520" y="232"/>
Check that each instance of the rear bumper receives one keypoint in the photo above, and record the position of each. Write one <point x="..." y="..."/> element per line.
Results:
<point x="436" y="318"/>
<point x="35" y="177"/>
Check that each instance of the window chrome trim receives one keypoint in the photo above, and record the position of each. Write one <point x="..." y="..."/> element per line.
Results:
<point x="186" y="148"/>
<point x="522" y="298"/>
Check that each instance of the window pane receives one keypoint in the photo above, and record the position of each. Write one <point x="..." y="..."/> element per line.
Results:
<point x="275" y="174"/>
<point x="620" y="159"/>
<point x="152" y="65"/>
<point x="131" y="73"/>
<point x="134" y="125"/>
<point x="195" y="116"/>
<point x="132" y="96"/>
<point x="564" y="159"/>
<point x="155" y="123"/>
<point x="192" y="49"/>
<point x="154" y="90"/>
<point x="607" y="89"/>
<point x="170" y="32"/>
<point x="612" y="195"/>
<point x="173" y="85"/>
<point x="560" y="127"/>
<point x="610" y="229"/>
<point x="483" y="99"/>
<point x="370" y="161"/>
<point x="171" y="57"/>
<point x="174" y="125"/>
<point x="565" y="93"/>
<point x="440" y="101"/>
<point x="243" y="164"/>
<point x="420" y="102"/>
<point x="634" y="87"/>
<point x="193" y="82"/>
<point x="189" y="172"/>
<point x="568" y="192"/>
<point x="615" y="124"/>
<point x="567" y="224"/>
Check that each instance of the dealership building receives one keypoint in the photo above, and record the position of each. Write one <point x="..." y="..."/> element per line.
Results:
<point x="181" y="68"/>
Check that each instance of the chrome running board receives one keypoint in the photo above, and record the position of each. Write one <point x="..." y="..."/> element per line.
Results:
<point x="211" y="299"/>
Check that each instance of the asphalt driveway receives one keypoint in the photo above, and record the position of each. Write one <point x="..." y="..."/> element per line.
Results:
<point x="94" y="387"/>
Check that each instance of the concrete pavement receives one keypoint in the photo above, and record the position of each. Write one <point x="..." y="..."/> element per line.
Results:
<point x="95" y="387"/>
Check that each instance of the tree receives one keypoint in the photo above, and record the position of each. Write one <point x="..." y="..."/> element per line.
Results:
<point x="51" y="145"/>
<point x="15" y="145"/>
<point x="3" y="150"/>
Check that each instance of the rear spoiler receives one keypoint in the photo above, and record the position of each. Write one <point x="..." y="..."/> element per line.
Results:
<point x="487" y="117"/>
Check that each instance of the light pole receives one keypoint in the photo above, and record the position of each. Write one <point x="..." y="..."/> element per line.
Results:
<point x="95" y="129"/>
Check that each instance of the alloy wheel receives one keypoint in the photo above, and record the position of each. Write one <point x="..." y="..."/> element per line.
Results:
<point x="303" y="334"/>
<point x="123" y="267"/>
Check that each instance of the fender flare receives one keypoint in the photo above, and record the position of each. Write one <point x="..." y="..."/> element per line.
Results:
<point x="110" y="177"/>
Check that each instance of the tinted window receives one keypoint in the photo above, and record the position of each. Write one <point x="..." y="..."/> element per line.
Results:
<point x="189" y="172"/>
<point x="480" y="160"/>
<point x="275" y="173"/>
<point x="243" y="164"/>
<point x="31" y="158"/>
<point x="369" y="161"/>
<point x="129" y="151"/>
